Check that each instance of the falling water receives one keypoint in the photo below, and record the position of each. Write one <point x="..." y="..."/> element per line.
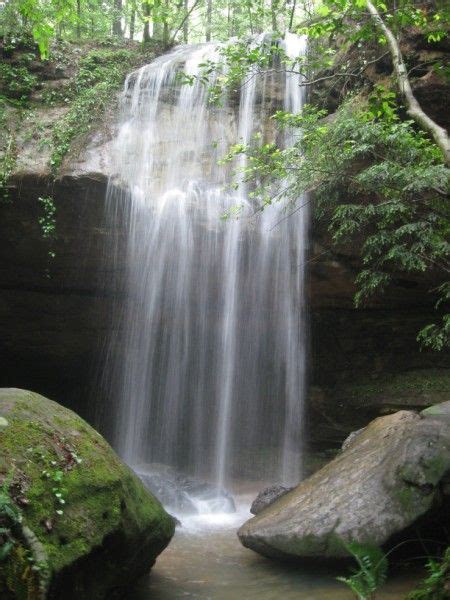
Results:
<point x="208" y="374"/>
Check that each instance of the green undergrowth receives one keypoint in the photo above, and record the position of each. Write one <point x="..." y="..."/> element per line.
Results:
<point x="17" y="77"/>
<point x="371" y="571"/>
<point x="82" y="78"/>
<point x="47" y="108"/>
<point x="17" y="83"/>
<point x="436" y="585"/>
<point x="414" y="384"/>
<point x="8" y="155"/>
<point x="372" y="567"/>
<point x="100" y="76"/>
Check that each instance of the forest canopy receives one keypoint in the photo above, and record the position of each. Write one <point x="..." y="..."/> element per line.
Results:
<point x="165" y="20"/>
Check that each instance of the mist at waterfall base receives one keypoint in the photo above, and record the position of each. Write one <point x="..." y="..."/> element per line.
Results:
<point x="207" y="371"/>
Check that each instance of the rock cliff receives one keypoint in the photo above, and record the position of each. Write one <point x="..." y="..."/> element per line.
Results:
<point x="55" y="313"/>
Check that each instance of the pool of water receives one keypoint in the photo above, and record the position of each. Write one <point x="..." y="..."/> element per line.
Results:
<point x="205" y="560"/>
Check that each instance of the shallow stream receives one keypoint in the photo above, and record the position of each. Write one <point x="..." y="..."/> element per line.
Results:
<point x="205" y="560"/>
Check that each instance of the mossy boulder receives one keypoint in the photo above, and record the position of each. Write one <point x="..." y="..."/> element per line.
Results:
<point x="79" y="523"/>
<point x="389" y="475"/>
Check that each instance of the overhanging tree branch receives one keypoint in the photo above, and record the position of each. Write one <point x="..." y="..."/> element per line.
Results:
<point x="415" y="111"/>
<point x="186" y="17"/>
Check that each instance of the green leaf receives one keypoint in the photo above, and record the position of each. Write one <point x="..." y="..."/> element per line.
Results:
<point x="323" y="11"/>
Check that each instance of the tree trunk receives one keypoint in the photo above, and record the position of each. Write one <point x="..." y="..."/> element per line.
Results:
<point x="156" y="20"/>
<point x="117" y="23"/>
<point x="186" y="22"/>
<point x="208" y="20"/>
<point x="165" y="18"/>
<point x="273" y="12"/>
<point x="185" y="19"/>
<point x="250" y="19"/>
<point x="132" y="21"/>
<point x="415" y="111"/>
<point x="78" y="19"/>
<point x="146" y="14"/>
<point x="291" y="19"/>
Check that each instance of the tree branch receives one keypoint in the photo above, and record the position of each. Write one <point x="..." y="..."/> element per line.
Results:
<point x="415" y="111"/>
<point x="186" y="17"/>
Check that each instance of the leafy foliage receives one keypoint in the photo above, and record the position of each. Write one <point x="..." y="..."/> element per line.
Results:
<point x="436" y="586"/>
<point x="7" y="163"/>
<point x="351" y="19"/>
<point x="47" y="221"/>
<point x="100" y="74"/>
<point x="48" y="226"/>
<point x="193" y="20"/>
<point x="371" y="572"/>
<point x="16" y="82"/>
<point x="378" y="181"/>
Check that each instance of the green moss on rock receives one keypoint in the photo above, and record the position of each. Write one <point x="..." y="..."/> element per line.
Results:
<point x="391" y="392"/>
<point x="421" y="384"/>
<point x="98" y="526"/>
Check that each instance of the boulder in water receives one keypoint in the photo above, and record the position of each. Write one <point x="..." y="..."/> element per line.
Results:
<point x="79" y="523"/>
<point x="181" y="493"/>
<point x="388" y="476"/>
<point x="268" y="497"/>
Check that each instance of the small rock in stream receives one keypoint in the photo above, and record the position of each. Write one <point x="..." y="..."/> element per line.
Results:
<point x="267" y="497"/>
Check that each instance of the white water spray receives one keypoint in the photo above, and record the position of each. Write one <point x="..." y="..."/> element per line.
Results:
<point x="209" y="375"/>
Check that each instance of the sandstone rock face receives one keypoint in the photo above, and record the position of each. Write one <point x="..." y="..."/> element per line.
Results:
<point x="57" y="314"/>
<point x="386" y="478"/>
<point x="336" y="410"/>
<point x="78" y="514"/>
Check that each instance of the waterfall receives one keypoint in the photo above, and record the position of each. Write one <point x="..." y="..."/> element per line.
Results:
<point x="207" y="372"/>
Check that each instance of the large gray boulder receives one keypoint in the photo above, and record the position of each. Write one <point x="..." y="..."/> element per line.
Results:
<point x="384" y="480"/>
